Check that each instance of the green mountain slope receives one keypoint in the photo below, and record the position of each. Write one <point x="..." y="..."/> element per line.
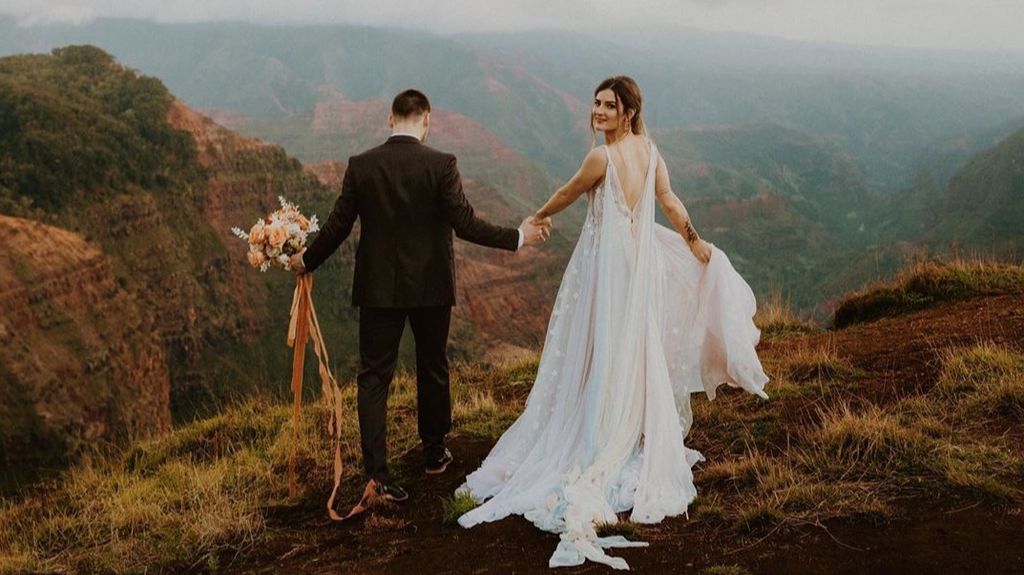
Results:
<point x="983" y="205"/>
<point x="92" y="147"/>
<point x="979" y="208"/>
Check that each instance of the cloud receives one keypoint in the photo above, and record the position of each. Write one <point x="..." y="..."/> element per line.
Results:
<point x="985" y="24"/>
<point x="55" y="14"/>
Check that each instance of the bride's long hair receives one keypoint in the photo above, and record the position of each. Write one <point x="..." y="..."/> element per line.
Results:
<point x="627" y="93"/>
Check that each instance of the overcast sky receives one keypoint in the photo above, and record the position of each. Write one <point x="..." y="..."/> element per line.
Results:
<point x="965" y="24"/>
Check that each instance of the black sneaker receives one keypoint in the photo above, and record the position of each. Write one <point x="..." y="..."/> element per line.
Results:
<point x="391" y="492"/>
<point x="439" y="464"/>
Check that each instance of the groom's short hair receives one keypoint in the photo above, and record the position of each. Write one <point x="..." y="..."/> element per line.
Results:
<point x="408" y="103"/>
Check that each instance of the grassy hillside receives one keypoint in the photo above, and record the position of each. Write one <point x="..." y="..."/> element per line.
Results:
<point x="850" y="441"/>
<point x="93" y="147"/>
<point x="181" y="501"/>
<point x="74" y="125"/>
<point x="925" y="284"/>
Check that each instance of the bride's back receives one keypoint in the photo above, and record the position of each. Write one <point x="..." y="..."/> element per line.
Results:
<point x="631" y="157"/>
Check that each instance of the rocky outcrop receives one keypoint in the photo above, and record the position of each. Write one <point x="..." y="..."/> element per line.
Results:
<point x="80" y="360"/>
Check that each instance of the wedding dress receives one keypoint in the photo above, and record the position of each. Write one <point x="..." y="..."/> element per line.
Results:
<point x="637" y="326"/>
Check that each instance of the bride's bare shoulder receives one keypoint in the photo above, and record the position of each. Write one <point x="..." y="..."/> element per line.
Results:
<point x="597" y="158"/>
<point x="591" y="171"/>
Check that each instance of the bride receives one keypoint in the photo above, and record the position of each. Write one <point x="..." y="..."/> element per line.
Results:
<point x="643" y="318"/>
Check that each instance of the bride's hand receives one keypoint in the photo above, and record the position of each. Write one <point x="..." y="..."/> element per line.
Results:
<point x="539" y="221"/>
<point x="701" y="250"/>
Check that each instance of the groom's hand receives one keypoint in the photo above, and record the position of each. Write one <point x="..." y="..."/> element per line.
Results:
<point x="535" y="230"/>
<point x="296" y="263"/>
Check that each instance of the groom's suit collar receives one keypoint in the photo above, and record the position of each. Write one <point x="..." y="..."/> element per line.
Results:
<point x="403" y="139"/>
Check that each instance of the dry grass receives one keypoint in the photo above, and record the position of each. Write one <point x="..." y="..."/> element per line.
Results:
<point x="724" y="570"/>
<point x="626" y="529"/>
<point x="983" y="382"/>
<point x="869" y="443"/>
<point x="765" y="492"/>
<point x="159" y="503"/>
<point x="775" y="317"/>
<point x="805" y="363"/>
<point x="808" y="369"/>
<point x="181" y="500"/>
<point x="849" y="457"/>
<point x="708" y="508"/>
<point x="377" y="523"/>
<point x="477" y="413"/>
<point x="924" y="283"/>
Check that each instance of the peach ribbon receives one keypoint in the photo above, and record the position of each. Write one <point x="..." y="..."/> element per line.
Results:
<point x="304" y="323"/>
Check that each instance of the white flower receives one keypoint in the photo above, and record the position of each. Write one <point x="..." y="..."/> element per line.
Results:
<point x="282" y="232"/>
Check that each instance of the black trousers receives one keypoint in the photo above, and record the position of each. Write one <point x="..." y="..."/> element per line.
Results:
<point x="380" y="332"/>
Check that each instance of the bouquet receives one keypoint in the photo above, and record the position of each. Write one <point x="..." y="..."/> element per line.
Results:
<point x="272" y="241"/>
<point x="278" y="236"/>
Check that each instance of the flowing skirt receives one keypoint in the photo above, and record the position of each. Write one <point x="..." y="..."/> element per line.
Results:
<point x="636" y="328"/>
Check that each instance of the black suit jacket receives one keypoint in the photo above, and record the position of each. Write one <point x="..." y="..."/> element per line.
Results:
<point x="409" y="199"/>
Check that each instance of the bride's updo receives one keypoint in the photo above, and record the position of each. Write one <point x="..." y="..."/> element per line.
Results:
<point x="627" y="92"/>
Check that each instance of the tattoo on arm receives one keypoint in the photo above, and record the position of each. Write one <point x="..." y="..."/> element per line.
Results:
<point x="689" y="233"/>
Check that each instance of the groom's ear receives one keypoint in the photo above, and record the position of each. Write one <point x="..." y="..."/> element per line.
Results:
<point x="391" y="120"/>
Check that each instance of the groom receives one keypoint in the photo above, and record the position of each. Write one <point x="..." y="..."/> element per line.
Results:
<point x="409" y="199"/>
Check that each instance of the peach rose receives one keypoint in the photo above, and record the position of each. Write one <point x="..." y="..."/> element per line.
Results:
<point x="258" y="234"/>
<point x="256" y="258"/>
<point x="277" y="235"/>
<point x="303" y="222"/>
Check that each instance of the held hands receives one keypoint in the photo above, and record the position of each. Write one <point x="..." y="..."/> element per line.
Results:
<point x="535" y="230"/>
<point x="701" y="250"/>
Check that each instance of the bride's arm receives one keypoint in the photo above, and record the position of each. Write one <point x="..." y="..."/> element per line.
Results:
<point x="590" y="173"/>
<point x="676" y="212"/>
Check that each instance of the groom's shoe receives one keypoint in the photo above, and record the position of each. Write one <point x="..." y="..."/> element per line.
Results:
<point x="440" y="463"/>
<point x="391" y="492"/>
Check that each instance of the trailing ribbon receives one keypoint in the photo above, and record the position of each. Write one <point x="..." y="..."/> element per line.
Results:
<point x="304" y="323"/>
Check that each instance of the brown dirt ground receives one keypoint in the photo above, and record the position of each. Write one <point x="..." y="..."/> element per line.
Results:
<point x="929" y="535"/>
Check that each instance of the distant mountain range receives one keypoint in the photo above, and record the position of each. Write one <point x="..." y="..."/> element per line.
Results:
<point x="533" y="89"/>
<point x="139" y="190"/>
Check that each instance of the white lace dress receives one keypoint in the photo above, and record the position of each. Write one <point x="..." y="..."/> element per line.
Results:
<point x="638" y="325"/>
